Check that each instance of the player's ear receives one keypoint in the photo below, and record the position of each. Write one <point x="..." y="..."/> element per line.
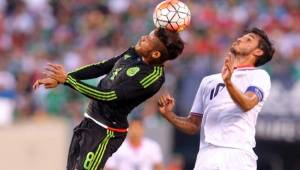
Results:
<point x="258" y="52"/>
<point x="155" y="54"/>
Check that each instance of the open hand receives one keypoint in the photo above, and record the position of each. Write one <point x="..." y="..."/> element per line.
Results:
<point x="228" y="68"/>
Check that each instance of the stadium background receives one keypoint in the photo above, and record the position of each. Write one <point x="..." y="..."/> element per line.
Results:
<point x="35" y="127"/>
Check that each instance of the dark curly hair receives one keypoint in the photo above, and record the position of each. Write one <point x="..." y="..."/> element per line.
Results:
<point x="264" y="44"/>
<point x="172" y="42"/>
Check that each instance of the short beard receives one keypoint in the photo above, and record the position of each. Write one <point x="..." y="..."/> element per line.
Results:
<point x="236" y="53"/>
<point x="233" y="51"/>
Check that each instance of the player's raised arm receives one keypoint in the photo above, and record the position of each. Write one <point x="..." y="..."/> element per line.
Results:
<point x="245" y="101"/>
<point x="189" y="124"/>
<point x="94" y="70"/>
<point x="138" y="86"/>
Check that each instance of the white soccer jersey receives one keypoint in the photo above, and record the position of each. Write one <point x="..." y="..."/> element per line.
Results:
<point x="141" y="158"/>
<point x="224" y="123"/>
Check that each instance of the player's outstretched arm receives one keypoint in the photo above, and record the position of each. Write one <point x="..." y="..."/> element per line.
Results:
<point x="189" y="124"/>
<point x="83" y="73"/>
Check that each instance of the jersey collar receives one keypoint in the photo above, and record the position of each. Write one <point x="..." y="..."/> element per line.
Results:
<point x="244" y="67"/>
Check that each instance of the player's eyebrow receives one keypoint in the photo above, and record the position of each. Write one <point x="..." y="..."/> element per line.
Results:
<point x="252" y="36"/>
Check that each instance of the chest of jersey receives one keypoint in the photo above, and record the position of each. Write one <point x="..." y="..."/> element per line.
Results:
<point x="126" y="68"/>
<point x="216" y="92"/>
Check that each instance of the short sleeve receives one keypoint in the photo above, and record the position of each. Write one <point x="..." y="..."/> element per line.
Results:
<point x="197" y="107"/>
<point x="260" y="85"/>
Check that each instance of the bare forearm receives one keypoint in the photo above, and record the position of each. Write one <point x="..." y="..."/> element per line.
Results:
<point x="184" y="124"/>
<point x="245" y="102"/>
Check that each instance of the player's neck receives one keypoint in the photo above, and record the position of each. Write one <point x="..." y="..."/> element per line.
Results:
<point x="145" y="60"/>
<point x="151" y="61"/>
<point x="135" y="143"/>
<point x="243" y="61"/>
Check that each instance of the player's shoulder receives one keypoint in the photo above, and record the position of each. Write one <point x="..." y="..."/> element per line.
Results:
<point x="143" y="71"/>
<point x="261" y="72"/>
<point x="210" y="78"/>
<point x="256" y="72"/>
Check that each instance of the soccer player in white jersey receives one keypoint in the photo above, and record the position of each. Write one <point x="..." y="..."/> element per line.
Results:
<point x="137" y="152"/>
<point x="226" y="106"/>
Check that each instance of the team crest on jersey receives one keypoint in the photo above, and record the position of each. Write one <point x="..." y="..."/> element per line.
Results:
<point x="132" y="71"/>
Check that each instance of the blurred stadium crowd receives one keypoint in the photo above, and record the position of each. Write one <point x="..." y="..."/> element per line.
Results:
<point x="79" y="32"/>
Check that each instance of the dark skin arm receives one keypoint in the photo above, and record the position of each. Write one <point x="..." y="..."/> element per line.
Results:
<point x="189" y="124"/>
<point x="247" y="100"/>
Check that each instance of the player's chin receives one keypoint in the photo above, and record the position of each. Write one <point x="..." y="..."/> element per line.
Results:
<point x="137" y="45"/>
<point x="233" y="50"/>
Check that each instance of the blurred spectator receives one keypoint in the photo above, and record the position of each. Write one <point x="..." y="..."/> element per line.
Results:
<point x="21" y="25"/>
<point x="79" y="32"/>
<point x="7" y="96"/>
<point x="137" y="152"/>
<point x="176" y="163"/>
<point x="76" y="33"/>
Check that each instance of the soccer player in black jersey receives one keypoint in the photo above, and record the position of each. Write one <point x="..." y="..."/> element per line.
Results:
<point x="131" y="78"/>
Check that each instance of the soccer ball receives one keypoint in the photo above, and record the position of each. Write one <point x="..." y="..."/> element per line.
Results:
<point x="173" y="15"/>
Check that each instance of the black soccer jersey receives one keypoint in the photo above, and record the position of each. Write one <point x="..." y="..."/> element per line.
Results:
<point x="128" y="82"/>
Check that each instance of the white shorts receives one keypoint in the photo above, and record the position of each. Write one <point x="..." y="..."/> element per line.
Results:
<point x="223" y="158"/>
